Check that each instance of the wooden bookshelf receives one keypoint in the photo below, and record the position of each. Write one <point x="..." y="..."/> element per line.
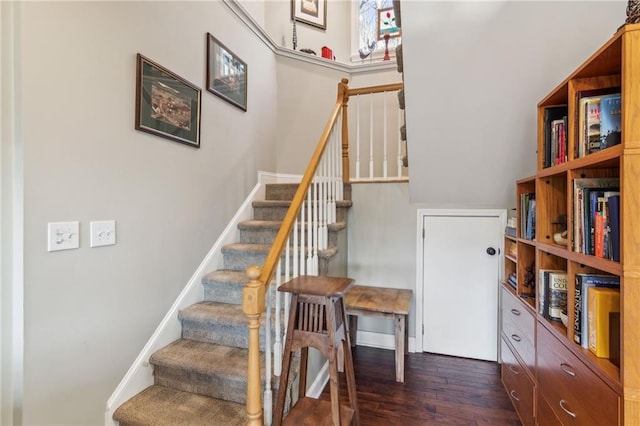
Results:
<point x="567" y="383"/>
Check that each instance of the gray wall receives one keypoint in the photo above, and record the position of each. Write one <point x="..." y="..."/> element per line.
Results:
<point x="88" y="312"/>
<point x="474" y="74"/>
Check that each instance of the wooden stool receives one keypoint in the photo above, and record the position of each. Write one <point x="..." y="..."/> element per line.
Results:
<point x="318" y="319"/>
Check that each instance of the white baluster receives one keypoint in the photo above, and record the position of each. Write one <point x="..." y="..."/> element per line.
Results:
<point x="277" y="347"/>
<point x="302" y="233"/>
<point x="316" y="198"/>
<point x="340" y="186"/>
<point x="371" y="136"/>
<point x="384" y="146"/>
<point x="399" y="143"/>
<point x="357" y="137"/>
<point x="309" y="231"/>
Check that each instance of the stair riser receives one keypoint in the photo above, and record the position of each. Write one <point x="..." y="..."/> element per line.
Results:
<point x="278" y="212"/>
<point x="221" y="334"/>
<point x="226" y="293"/>
<point x="214" y="386"/>
<point x="267" y="236"/>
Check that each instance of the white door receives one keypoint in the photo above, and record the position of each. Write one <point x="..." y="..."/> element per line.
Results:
<point x="461" y="270"/>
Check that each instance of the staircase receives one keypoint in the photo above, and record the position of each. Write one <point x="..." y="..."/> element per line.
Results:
<point x="201" y="378"/>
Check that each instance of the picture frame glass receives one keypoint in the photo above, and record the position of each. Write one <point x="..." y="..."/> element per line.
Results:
<point x="226" y="73"/>
<point x="310" y="12"/>
<point x="166" y="104"/>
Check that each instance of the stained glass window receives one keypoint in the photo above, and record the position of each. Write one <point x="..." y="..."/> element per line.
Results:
<point x="375" y="17"/>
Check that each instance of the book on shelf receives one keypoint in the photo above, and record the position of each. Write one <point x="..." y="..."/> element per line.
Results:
<point x="598" y="120"/>
<point x="527" y="218"/>
<point x="557" y="292"/>
<point x="544" y="292"/>
<point x="613" y="226"/>
<point x="591" y="199"/>
<point x="583" y="282"/>
<point x="601" y="302"/>
<point x="553" y="115"/>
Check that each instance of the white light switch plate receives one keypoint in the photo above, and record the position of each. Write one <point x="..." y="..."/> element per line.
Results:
<point x="103" y="233"/>
<point x="63" y="236"/>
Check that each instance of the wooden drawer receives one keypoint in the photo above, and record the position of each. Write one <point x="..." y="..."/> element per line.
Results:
<point x="518" y="385"/>
<point x="518" y="325"/>
<point x="514" y="311"/>
<point x="576" y="395"/>
<point x="544" y="413"/>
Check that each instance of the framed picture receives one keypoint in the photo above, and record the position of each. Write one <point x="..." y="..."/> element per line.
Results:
<point x="226" y="73"/>
<point x="310" y="12"/>
<point x="387" y="23"/>
<point x="166" y="104"/>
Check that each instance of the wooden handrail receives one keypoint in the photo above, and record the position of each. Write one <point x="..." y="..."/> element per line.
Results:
<point x="374" y="89"/>
<point x="254" y="293"/>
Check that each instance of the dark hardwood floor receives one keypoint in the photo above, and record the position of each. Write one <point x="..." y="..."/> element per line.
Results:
<point x="438" y="390"/>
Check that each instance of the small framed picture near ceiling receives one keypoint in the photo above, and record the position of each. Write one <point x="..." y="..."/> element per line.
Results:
<point x="226" y="73"/>
<point x="310" y="12"/>
<point x="166" y="104"/>
<point x="387" y="23"/>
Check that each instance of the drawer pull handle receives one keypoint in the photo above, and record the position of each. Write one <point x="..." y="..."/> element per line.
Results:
<point x="515" y="312"/>
<point x="516" y="337"/>
<point x="567" y="369"/>
<point x="515" y="396"/>
<point x="514" y="370"/>
<point x="569" y="412"/>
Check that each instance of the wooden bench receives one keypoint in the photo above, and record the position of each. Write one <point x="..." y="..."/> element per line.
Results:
<point x="381" y="302"/>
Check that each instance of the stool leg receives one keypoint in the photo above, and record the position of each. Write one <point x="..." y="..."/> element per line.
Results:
<point x="286" y="364"/>
<point x="302" y="380"/>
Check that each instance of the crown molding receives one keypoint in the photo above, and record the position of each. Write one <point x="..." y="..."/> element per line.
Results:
<point x="280" y="51"/>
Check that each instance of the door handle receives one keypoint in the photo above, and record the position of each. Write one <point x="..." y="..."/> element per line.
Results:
<point x="491" y="251"/>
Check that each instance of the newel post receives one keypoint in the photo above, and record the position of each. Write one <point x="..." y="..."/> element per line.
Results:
<point x="343" y="97"/>
<point x="253" y="296"/>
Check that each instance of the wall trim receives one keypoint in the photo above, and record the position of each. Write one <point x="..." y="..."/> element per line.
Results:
<point x="283" y="52"/>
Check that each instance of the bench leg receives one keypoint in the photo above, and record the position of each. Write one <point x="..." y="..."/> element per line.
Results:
<point x="353" y="329"/>
<point x="400" y="346"/>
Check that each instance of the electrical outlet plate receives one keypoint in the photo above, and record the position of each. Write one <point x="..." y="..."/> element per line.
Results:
<point x="63" y="236"/>
<point x="103" y="233"/>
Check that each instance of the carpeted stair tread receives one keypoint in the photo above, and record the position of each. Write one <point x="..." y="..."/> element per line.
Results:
<point x="275" y="225"/>
<point x="225" y="276"/>
<point x="161" y="406"/>
<point x="203" y="358"/>
<point x="221" y="312"/>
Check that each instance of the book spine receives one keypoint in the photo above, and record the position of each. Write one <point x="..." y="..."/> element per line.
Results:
<point x="557" y="295"/>
<point x="577" y="311"/>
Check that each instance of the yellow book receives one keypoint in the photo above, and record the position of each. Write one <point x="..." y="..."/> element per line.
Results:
<point x="601" y="301"/>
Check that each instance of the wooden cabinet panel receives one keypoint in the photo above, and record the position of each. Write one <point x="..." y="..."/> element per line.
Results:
<point x="576" y="395"/>
<point x="544" y="413"/>
<point x="519" y="386"/>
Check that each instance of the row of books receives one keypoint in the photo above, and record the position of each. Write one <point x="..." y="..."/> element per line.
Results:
<point x="596" y="296"/>
<point x="596" y="217"/>
<point x="597" y="124"/>
<point x="528" y="216"/>
<point x="599" y="120"/>
<point x="555" y="136"/>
